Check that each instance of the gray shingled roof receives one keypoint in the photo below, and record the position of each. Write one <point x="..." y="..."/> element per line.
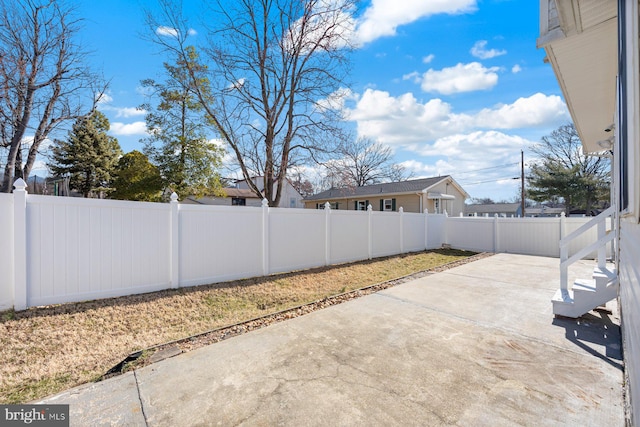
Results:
<point x="413" y="185"/>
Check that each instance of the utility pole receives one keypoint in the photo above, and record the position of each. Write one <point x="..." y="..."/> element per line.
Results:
<point x="522" y="182"/>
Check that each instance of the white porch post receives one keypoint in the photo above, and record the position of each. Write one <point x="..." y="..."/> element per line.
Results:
<point x="564" y="255"/>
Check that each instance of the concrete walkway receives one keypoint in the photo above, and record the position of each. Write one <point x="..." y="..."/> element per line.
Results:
<point x="476" y="345"/>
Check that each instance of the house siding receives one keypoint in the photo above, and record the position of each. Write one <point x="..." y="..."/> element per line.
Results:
<point x="408" y="202"/>
<point x="288" y="193"/>
<point x="453" y="207"/>
<point x="415" y="202"/>
<point x="629" y="303"/>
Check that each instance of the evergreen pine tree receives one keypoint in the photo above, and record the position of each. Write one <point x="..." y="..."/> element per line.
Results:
<point x="177" y="142"/>
<point x="88" y="156"/>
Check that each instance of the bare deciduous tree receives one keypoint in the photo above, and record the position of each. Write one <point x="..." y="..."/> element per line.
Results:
<point x="272" y="64"/>
<point x="43" y="79"/>
<point x="363" y="162"/>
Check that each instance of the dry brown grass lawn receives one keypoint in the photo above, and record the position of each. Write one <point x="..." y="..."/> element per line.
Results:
<point x="48" y="349"/>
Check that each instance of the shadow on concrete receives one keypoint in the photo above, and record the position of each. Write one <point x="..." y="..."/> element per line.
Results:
<point x="596" y="334"/>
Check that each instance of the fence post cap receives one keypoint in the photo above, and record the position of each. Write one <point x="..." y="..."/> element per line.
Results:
<point x="401" y="210"/>
<point x="562" y="214"/>
<point x="327" y="205"/>
<point x="19" y="184"/>
<point x="265" y="203"/>
<point x="174" y="197"/>
<point x="369" y="208"/>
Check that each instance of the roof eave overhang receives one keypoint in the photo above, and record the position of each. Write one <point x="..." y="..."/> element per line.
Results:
<point x="583" y="55"/>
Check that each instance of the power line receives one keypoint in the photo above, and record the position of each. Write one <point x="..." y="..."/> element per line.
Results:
<point x="491" y="180"/>
<point x="484" y="169"/>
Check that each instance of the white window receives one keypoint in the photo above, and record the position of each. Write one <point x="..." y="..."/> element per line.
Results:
<point x="388" y="205"/>
<point x="334" y="205"/>
<point x="361" y="205"/>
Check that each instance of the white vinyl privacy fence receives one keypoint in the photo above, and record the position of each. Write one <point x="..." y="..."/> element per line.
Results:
<point x="61" y="249"/>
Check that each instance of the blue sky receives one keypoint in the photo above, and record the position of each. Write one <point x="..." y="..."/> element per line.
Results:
<point x="453" y="86"/>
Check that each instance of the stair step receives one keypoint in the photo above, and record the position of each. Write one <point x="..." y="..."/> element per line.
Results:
<point x="583" y="297"/>
<point x="584" y="285"/>
<point x="604" y="277"/>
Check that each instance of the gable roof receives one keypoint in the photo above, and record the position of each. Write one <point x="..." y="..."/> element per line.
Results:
<point x="240" y="192"/>
<point x="400" y="187"/>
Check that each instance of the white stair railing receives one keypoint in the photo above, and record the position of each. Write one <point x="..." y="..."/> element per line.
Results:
<point x="600" y="245"/>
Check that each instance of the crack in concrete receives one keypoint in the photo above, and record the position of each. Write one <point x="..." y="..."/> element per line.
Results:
<point x="144" y="415"/>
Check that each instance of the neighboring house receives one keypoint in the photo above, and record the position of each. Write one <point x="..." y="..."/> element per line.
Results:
<point x="235" y="197"/>
<point x="437" y="195"/>
<point x="492" y="209"/>
<point x="511" y="210"/>
<point x="241" y="195"/>
<point x="543" y="211"/>
<point x="593" y="47"/>
<point x="290" y="197"/>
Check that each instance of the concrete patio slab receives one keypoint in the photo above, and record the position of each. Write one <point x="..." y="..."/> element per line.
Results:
<point x="473" y="346"/>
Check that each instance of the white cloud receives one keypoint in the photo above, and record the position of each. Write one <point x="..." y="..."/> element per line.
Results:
<point x="337" y="100"/>
<point x="331" y="24"/>
<point x="490" y="158"/>
<point x="124" y="112"/>
<point x="479" y="50"/>
<point x="105" y="101"/>
<point x="404" y="120"/>
<point x="415" y="76"/>
<point x="533" y="111"/>
<point x="135" y="128"/>
<point x="474" y="147"/>
<point x="144" y="90"/>
<point x="516" y="69"/>
<point x="166" y="31"/>
<point x="172" y="32"/>
<point x="427" y="59"/>
<point x="41" y="167"/>
<point x="383" y="17"/>
<point x="129" y="112"/>
<point x="237" y="84"/>
<point x="103" y="98"/>
<point x="460" y="78"/>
